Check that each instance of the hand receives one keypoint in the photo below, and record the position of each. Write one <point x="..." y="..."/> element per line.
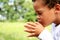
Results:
<point x="34" y="29"/>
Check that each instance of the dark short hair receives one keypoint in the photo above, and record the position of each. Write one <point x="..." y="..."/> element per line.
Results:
<point x="51" y="3"/>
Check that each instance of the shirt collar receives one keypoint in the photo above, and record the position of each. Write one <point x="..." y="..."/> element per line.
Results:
<point x="53" y="24"/>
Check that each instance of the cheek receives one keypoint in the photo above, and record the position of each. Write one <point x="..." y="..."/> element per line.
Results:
<point x="47" y="18"/>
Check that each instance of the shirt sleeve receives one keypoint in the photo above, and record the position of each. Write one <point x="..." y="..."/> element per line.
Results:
<point x="45" y="35"/>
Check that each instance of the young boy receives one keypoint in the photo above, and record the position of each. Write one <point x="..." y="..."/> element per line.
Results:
<point x="48" y="11"/>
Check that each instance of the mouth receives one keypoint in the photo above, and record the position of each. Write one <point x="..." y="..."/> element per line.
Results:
<point x="39" y="20"/>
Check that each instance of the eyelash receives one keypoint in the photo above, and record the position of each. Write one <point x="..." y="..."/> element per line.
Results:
<point x="39" y="13"/>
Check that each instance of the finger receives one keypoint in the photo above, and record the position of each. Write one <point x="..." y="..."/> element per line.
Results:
<point x="31" y="35"/>
<point x="37" y="23"/>
<point x="29" y="30"/>
<point x="29" y="26"/>
<point x="31" y="23"/>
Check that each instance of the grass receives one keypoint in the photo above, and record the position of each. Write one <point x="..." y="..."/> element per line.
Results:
<point x="13" y="31"/>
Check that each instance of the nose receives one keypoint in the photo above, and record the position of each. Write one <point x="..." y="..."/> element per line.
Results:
<point x="38" y="17"/>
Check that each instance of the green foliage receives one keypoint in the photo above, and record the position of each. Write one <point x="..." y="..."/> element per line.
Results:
<point x="30" y="14"/>
<point x="21" y="8"/>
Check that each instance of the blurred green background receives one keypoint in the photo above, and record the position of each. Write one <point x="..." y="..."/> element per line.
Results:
<point x="13" y="31"/>
<point x="13" y="15"/>
<point x="17" y="10"/>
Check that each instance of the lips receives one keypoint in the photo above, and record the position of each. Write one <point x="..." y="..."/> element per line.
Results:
<point x="39" y="20"/>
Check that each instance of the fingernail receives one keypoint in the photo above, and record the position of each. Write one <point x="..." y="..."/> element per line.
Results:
<point x="33" y="30"/>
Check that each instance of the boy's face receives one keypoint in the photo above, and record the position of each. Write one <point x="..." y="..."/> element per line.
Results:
<point x="45" y="15"/>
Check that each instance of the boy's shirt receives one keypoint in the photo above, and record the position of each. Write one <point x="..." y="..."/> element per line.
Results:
<point x="54" y="35"/>
<point x="56" y="31"/>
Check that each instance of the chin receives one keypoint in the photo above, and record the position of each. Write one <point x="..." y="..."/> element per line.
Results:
<point x="41" y="23"/>
<point x="44" y="24"/>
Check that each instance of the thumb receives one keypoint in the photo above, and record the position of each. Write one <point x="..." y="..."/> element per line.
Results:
<point x="31" y="35"/>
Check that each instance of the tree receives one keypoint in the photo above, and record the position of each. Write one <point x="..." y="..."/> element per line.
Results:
<point x="15" y="9"/>
<point x="29" y="15"/>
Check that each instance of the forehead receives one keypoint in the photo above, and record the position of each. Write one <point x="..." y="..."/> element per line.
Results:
<point x="38" y="1"/>
<point x="41" y="2"/>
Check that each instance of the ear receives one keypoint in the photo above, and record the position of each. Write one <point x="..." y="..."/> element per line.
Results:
<point x="57" y="8"/>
